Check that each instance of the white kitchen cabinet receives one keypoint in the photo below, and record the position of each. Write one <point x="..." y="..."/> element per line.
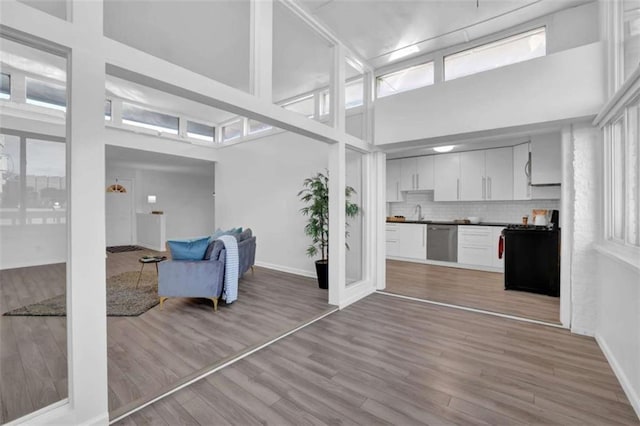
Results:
<point x="521" y="172"/>
<point x="425" y="172"/>
<point x="478" y="245"/>
<point x="393" y="181"/>
<point x="447" y="177"/>
<point x="416" y="173"/>
<point x="392" y="239"/>
<point x="407" y="240"/>
<point x="474" y="245"/>
<point x="408" y="174"/>
<point x="486" y="175"/>
<point x="546" y="159"/>
<point x="472" y="176"/>
<point x="496" y="261"/>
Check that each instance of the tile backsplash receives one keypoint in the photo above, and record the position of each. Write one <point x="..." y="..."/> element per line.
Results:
<point x="488" y="211"/>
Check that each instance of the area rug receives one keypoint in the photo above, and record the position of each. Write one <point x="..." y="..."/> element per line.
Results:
<point x="122" y="249"/>
<point x="123" y="298"/>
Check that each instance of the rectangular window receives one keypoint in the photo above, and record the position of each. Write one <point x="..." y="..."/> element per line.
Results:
<point x="304" y="106"/>
<point x="510" y="50"/>
<point x="136" y="116"/>
<point x="5" y="86"/>
<point x="107" y="110"/>
<point x="354" y="93"/>
<point x="45" y="94"/>
<point x="46" y="197"/>
<point x="202" y="132"/>
<point x="257" y="127"/>
<point x="406" y="79"/>
<point x="633" y="174"/>
<point x="232" y="131"/>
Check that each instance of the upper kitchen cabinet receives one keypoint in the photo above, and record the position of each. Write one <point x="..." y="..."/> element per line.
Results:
<point x="499" y="174"/>
<point x="486" y="175"/>
<point x="393" y="180"/>
<point x="546" y="159"/>
<point x="416" y="173"/>
<point x="447" y="177"/>
<point x="521" y="172"/>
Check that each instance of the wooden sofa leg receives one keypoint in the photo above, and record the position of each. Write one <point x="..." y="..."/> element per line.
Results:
<point x="215" y="304"/>
<point x="162" y="299"/>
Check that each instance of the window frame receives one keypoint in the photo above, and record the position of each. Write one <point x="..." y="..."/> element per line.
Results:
<point x="147" y="128"/>
<point x="379" y="77"/>
<point x="494" y="41"/>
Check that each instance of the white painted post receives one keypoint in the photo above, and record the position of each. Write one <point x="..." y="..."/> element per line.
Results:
<point x="261" y="61"/>
<point x="86" y="295"/>
<point x="337" y="218"/>
<point x="378" y="191"/>
<point x="338" y="119"/>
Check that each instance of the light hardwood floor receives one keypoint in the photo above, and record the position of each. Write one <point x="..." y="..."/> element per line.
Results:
<point x="470" y="288"/>
<point x="385" y="360"/>
<point x="146" y="354"/>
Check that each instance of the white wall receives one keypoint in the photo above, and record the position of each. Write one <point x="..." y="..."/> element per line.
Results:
<point x="561" y="86"/>
<point x="618" y="323"/>
<point x="257" y="183"/>
<point x="494" y="211"/>
<point x="186" y="199"/>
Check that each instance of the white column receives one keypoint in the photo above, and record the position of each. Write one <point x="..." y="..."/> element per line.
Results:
<point x="337" y="220"/>
<point x="261" y="28"/>
<point x="86" y="295"/>
<point x="338" y="75"/>
<point x="378" y="192"/>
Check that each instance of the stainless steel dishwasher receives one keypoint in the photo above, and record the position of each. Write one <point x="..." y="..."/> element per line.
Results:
<point x="442" y="242"/>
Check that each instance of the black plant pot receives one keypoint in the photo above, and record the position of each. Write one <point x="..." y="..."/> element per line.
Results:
<point x="322" y="270"/>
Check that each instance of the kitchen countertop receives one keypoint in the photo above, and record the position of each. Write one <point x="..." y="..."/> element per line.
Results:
<point x="444" y="222"/>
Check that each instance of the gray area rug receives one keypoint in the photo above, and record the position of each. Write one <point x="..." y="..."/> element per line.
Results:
<point x="123" y="299"/>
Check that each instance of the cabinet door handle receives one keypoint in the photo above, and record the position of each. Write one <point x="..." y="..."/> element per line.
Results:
<point x="417" y="181"/>
<point x="484" y="188"/>
<point x="490" y="196"/>
<point x="424" y="236"/>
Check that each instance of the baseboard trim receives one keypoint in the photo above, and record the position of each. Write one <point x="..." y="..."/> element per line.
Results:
<point x="141" y="403"/>
<point x="632" y="396"/>
<point x="478" y="311"/>
<point x="281" y="268"/>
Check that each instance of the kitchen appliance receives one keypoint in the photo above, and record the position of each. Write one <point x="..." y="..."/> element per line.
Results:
<point x="532" y="258"/>
<point x="442" y="243"/>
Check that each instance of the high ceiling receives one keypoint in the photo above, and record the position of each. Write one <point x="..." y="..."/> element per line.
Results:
<point x="375" y="29"/>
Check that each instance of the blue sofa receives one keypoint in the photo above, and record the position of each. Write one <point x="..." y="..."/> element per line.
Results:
<point x="204" y="278"/>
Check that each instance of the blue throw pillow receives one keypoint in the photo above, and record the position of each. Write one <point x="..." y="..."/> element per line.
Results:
<point x="188" y="249"/>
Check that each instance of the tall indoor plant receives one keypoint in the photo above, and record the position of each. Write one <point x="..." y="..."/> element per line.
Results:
<point x="315" y="194"/>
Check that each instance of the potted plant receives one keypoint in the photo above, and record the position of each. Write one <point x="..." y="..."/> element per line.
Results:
<point x="315" y="194"/>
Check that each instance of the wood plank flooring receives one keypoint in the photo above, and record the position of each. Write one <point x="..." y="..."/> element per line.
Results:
<point x="148" y="353"/>
<point x="389" y="361"/>
<point x="469" y="288"/>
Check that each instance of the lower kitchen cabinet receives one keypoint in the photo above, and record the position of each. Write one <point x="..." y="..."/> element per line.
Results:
<point x="478" y="245"/>
<point x="408" y="240"/>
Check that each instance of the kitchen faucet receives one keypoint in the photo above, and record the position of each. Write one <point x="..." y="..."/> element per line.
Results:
<point x="418" y="210"/>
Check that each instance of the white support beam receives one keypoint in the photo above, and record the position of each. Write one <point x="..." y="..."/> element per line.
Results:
<point x="87" y="322"/>
<point x="261" y="61"/>
<point x="338" y="77"/>
<point x="337" y="223"/>
<point x="379" y="189"/>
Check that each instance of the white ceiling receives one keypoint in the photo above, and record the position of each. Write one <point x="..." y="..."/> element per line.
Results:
<point x="375" y="29"/>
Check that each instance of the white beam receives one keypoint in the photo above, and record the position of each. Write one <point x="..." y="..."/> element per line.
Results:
<point x="338" y="77"/>
<point x="261" y="62"/>
<point x="86" y="294"/>
<point x="337" y="223"/>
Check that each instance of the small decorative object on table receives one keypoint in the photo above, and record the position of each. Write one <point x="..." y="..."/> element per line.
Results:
<point x="149" y="259"/>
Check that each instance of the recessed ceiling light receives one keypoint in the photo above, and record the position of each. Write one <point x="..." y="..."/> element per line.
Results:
<point x="401" y="53"/>
<point x="445" y="148"/>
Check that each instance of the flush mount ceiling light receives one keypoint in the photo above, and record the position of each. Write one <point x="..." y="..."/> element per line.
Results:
<point x="445" y="148"/>
<point x="401" y="53"/>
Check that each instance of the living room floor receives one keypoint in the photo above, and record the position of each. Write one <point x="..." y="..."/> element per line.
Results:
<point x="385" y="360"/>
<point x="468" y="288"/>
<point x="146" y="354"/>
